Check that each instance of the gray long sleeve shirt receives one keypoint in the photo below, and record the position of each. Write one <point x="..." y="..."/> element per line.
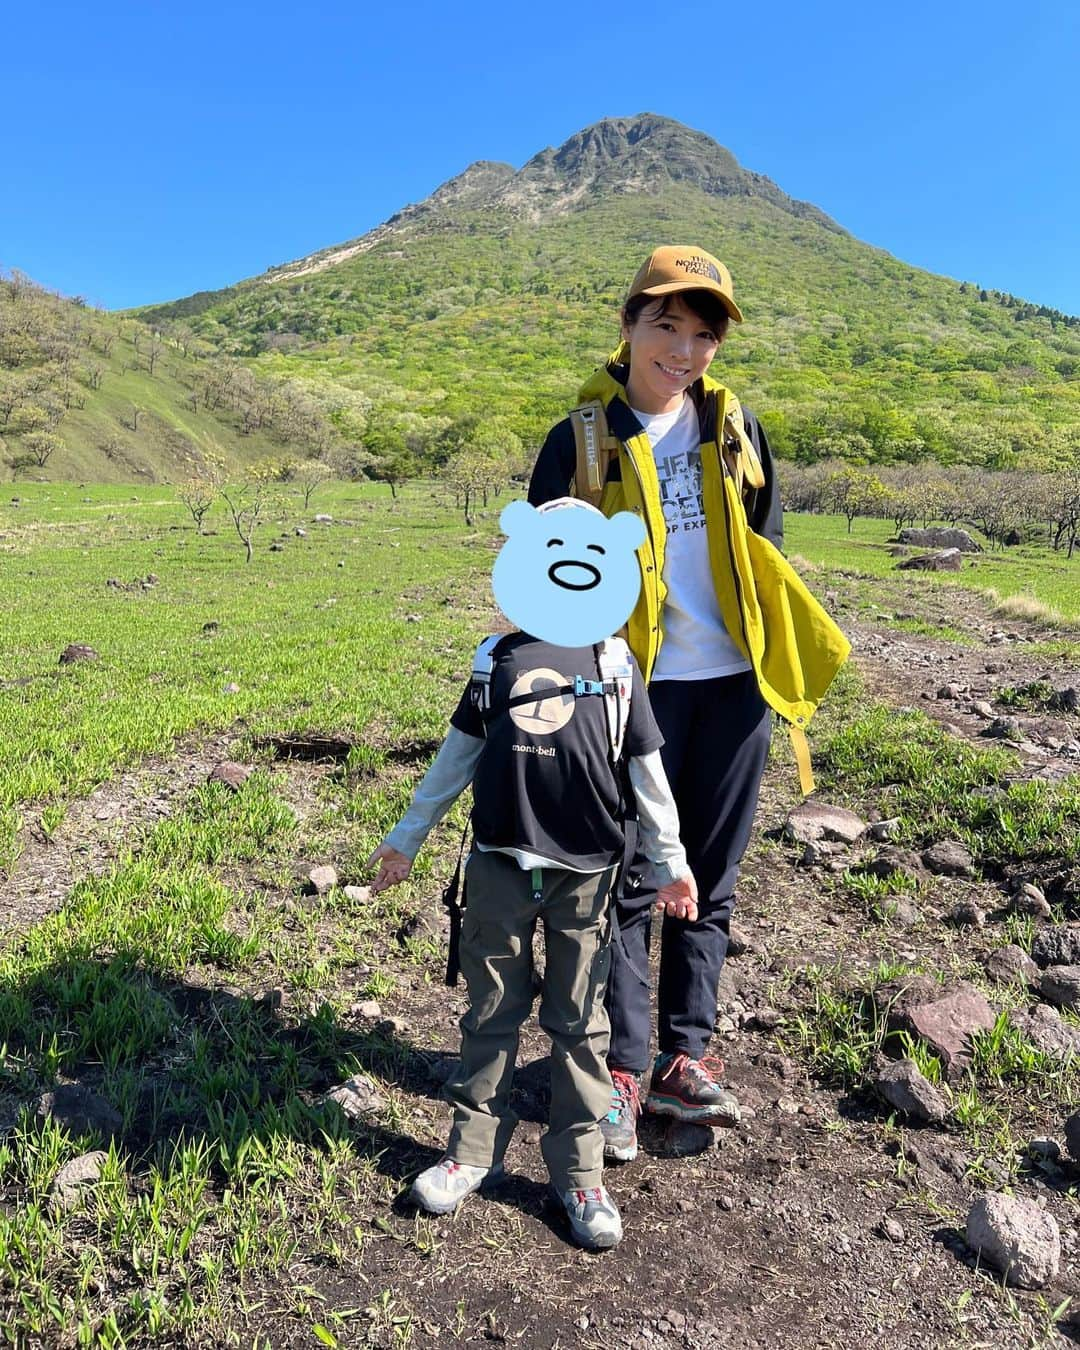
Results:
<point x="452" y="770"/>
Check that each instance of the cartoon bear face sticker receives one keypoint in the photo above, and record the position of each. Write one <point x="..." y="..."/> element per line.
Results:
<point x="567" y="574"/>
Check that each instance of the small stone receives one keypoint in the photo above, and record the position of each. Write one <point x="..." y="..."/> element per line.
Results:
<point x="230" y="774"/>
<point x="892" y="1229"/>
<point x="949" y="858"/>
<point x="983" y="709"/>
<point x="686" y="1139"/>
<point x="788" y="1106"/>
<point x="321" y="879"/>
<point x="275" y="547"/>
<point x="231" y="688"/>
<point x="360" y="895"/>
<point x="1044" y="1149"/>
<point x="1030" y="899"/>
<point x="883" y="831"/>
<point x="904" y="1087"/>
<point x="392" y="1026"/>
<point x="765" y="1019"/>
<point x="72" y="1180"/>
<point x="949" y="691"/>
<point x="1058" y="945"/>
<point x="966" y="914"/>
<point x="1047" y="1030"/>
<point x="358" y="1097"/>
<point x="739" y="941"/>
<point x="1004" y="729"/>
<point x="1016" y="1237"/>
<point x="890" y="861"/>
<point x="813" y="820"/>
<point x="369" y="1009"/>
<point x="900" y="911"/>
<point x="300" y="532"/>
<point x="322" y="519"/>
<point x="1060" y="985"/>
<point x="77" y="651"/>
<point x="1011" y="965"/>
<point x="726" y="1203"/>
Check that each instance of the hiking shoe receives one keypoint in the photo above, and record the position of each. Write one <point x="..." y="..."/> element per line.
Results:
<point x="619" y="1126"/>
<point x="442" y="1188"/>
<point x="687" y="1089"/>
<point x="594" y="1220"/>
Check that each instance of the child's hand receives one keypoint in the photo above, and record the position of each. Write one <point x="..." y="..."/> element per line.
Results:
<point x="393" y="867"/>
<point x="679" y="899"/>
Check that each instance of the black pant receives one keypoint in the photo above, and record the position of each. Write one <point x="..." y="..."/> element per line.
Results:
<point x="716" y="741"/>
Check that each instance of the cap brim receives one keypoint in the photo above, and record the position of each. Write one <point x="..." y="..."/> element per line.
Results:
<point x="670" y="287"/>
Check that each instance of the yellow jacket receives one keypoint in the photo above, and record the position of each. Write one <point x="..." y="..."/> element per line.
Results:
<point x="795" y="649"/>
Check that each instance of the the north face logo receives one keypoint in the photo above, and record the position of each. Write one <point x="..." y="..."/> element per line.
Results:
<point x="699" y="267"/>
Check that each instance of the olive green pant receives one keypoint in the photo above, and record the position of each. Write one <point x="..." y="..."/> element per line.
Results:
<point x="497" y="962"/>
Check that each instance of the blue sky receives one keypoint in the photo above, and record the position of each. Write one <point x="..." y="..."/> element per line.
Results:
<point x="153" y="150"/>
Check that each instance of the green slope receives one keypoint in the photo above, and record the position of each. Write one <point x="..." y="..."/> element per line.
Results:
<point x="482" y="299"/>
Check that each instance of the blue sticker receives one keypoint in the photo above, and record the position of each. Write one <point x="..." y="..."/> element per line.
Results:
<point x="567" y="574"/>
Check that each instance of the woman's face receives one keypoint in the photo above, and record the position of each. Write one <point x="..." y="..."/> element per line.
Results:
<point x="668" y="352"/>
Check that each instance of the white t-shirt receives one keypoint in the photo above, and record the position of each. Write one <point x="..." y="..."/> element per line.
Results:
<point x="696" y="644"/>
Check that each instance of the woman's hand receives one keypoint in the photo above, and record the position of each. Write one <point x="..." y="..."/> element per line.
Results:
<point x="679" y="899"/>
<point x="393" y="867"/>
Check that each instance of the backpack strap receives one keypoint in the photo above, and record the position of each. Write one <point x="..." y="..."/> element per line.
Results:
<point x="740" y="457"/>
<point x="482" y="667"/>
<point x="617" y="673"/>
<point x="594" y="448"/>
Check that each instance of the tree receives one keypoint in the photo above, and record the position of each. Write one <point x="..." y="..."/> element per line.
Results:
<point x="41" y="446"/>
<point x="309" y="475"/>
<point x="199" y="491"/>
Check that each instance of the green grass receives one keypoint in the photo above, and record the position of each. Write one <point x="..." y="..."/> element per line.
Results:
<point x="1028" y="571"/>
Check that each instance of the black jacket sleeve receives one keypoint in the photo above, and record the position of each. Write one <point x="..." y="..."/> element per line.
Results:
<point x="764" y="512"/>
<point x="554" y="468"/>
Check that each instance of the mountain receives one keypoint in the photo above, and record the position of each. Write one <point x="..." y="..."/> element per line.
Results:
<point x="498" y="293"/>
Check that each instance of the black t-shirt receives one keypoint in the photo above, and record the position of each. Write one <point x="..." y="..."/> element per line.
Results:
<point x="545" y="782"/>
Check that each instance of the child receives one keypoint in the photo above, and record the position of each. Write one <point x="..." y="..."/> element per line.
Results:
<point x="549" y="734"/>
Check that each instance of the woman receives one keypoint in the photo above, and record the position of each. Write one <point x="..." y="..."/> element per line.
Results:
<point x="724" y="631"/>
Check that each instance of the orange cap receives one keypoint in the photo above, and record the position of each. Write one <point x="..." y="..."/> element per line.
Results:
<point x="676" y="267"/>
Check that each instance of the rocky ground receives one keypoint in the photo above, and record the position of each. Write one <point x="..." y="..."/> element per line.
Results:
<point x="828" y="1217"/>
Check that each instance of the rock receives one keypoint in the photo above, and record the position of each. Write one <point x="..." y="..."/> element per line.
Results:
<point x="211" y="626"/>
<point x="369" y="1009"/>
<point x="321" y="879"/>
<point x="1029" y="899"/>
<point x="908" y="1091"/>
<point x="1004" y="729"/>
<point x="1016" y="1237"/>
<point x="944" y="1019"/>
<point x="983" y="709"/>
<point x="940" y="536"/>
<point x="1072" y="1136"/>
<point x="934" y="1158"/>
<point x="899" y="910"/>
<point x="79" y="1111"/>
<point x="1064" y="700"/>
<point x="891" y="1228"/>
<point x="360" y="895"/>
<point x="300" y="532"/>
<point x="996" y="640"/>
<point x="884" y="830"/>
<point x="966" y="914"/>
<point x="1058" y="945"/>
<point x="231" y="688"/>
<point x="1011" y="965"/>
<point x="1043" y="1150"/>
<point x="424" y="924"/>
<point x="890" y="861"/>
<point x="77" y="651"/>
<point x="229" y="773"/>
<point x="72" y="1180"/>
<point x="358" y="1097"/>
<point x="739" y="941"/>
<point x="947" y="560"/>
<point x="1060" y="985"/>
<point x="322" y="519"/>
<point x="949" y="691"/>
<point x="392" y="1026"/>
<point x="949" y="858"/>
<point x="813" y="820"/>
<point x="765" y="1019"/>
<point x="685" y="1139"/>
<point x="1047" y="1030"/>
<point x="275" y="547"/>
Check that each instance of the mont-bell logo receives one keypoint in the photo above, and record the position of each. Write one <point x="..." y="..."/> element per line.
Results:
<point x="700" y="267"/>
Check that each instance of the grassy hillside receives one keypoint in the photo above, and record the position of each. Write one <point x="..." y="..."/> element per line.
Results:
<point x="465" y="305"/>
<point x="98" y="397"/>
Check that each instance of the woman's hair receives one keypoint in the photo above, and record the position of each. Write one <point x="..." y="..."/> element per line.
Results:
<point x="708" y="307"/>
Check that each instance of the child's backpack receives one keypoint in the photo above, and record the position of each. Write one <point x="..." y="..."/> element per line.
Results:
<point x="615" y="684"/>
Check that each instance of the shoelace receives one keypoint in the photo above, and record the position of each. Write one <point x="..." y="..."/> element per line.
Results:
<point x="707" y="1069"/>
<point x="626" y="1091"/>
<point x="582" y="1197"/>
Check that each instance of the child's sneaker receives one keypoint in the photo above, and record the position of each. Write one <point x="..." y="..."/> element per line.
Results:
<point x="619" y="1126"/>
<point x="687" y="1089"/>
<point x="442" y="1188"/>
<point x="594" y="1220"/>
